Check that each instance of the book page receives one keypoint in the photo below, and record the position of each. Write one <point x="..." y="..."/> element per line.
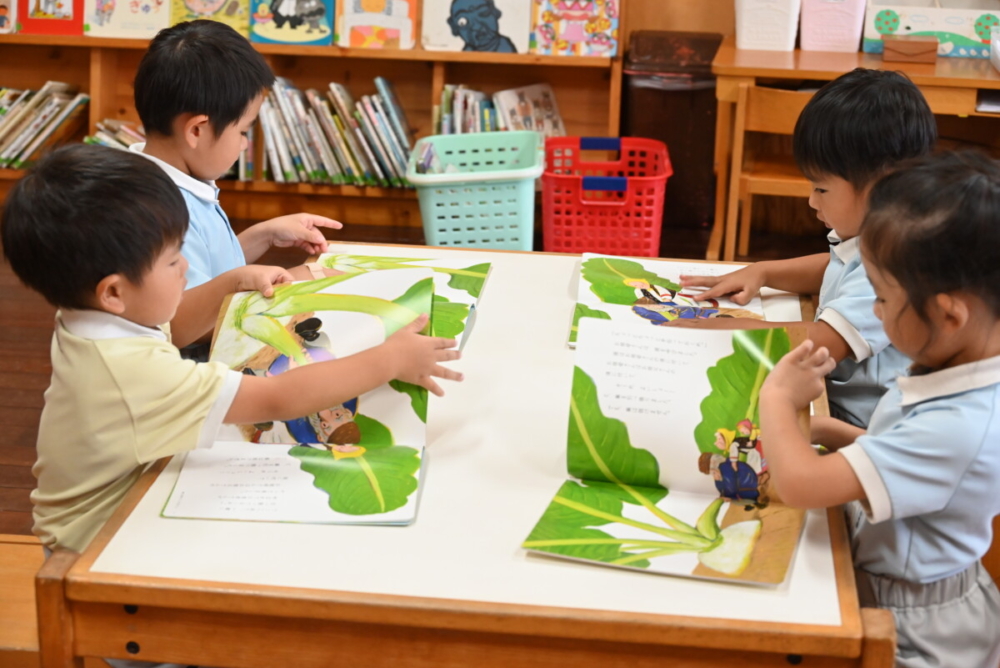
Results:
<point x="280" y="483"/>
<point x="639" y="289"/>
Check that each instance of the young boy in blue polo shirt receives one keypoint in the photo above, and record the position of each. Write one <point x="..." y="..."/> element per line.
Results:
<point x="855" y="129"/>
<point x="198" y="90"/>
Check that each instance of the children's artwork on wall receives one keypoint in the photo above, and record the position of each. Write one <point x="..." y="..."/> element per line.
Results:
<point x="574" y="27"/>
<point x="356" y="462"/>
<point x="307" y="22"/>
<point x="498" y="26"/>
<point x="8" y="17"/>
<point x="376" y="24"/>
<point x="129" y="19"/>
<point x="636" y="290"/>
<point x="961" y="28"/>
<point x="235" y="13"/>
<point x="670" y="474"/>
<point x="50" y="17"/>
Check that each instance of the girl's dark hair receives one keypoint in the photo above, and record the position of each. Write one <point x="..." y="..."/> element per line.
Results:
<point x="860" y="125"/>
<point x="85" y="212"/>
<point x="934" y="226"/>
<point x="198" y="67"/>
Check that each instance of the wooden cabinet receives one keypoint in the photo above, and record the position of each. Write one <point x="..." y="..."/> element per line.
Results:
<point x="588" y="90"/>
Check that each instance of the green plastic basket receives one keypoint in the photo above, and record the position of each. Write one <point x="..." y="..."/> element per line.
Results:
<point x="489" y="202"/>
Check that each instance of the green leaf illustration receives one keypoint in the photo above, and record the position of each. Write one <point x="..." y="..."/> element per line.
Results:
<point x="271" y="332"/>
<point x="584" y="311"/>
<point x="255" y="302"/>
<point x="607" y="277"/>
<point x="418" y="397"/>
<point x="736" y="380"/>
<point x="471" y="279"/>
<point x="393" y="315"/>
<point x="375" y="482"/>
<point x="417" y="299"/>
<point x="374" y="434"/>
<point x="447" y="317"/>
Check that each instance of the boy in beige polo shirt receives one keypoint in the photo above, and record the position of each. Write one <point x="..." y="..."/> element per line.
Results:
<point x="98" y="233"/>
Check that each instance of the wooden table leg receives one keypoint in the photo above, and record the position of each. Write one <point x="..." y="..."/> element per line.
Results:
<point x="878" y="648"/>
<point x="55" y="625"/>
<point x="723" y="141"/>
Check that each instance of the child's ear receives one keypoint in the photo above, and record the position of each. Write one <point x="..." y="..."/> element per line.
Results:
<point x="109" y="294"/>
<point x="953" y="308"/>
<point x="194" y="128"/>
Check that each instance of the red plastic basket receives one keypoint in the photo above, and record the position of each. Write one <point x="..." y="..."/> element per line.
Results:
<point x="611" y="207"/>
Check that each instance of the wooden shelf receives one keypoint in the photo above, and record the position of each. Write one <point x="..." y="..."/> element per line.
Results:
<point x="312" y="189"/>
<point x="11" y="174"/>
<point x="335" y="52"/>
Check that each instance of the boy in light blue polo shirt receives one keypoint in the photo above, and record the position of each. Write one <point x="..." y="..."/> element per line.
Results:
<point x="198" y="90"/>
<point x="855" y="129"/>
<point x="922" y="481"/>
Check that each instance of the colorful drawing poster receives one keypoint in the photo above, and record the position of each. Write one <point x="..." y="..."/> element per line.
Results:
<point x="670" y="472"/>
<point x="128" y="19"/>
<point x="376" y="24"/>
<point x="8" y="17"/>
<point x="458" y="285"/>
<point x="574" y="27"/>
<point x="49" y="17"/>
<point x="639" y="289"/>
<point x="498" y="26"/>
<point x="235" y="13"/>
<point x="307" y="22"/>
<point x="363" y="455"/>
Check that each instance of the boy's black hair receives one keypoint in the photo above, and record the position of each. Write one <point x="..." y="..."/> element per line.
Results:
<point x="932" y="226"/>
<point x="198" y="67"/>
<point x="862" y="123"/>
<point x="85" y="212"/>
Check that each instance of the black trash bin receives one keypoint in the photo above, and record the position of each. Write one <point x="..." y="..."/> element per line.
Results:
<point x="670" y="96"/>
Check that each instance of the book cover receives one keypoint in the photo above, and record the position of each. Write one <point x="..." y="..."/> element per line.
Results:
<point x="61" y="128"/>
<point x="306" y="22"/>
<point x="499" y="26"/>
<point x="8" y="17"/>
<point x="235" y="13"/>
<point x="17" y="120"/>
<point x="376" y="24"/>
<point x="530" y="108"/>
<point x="135" y="19"/>
<point x="50" y="17"/>
<point x="458" y="286"/>
<point x="639" y="290"/>
<point x="574" y="27"/>
<point x="669" y="472"/>
<point x="358" y="462"/>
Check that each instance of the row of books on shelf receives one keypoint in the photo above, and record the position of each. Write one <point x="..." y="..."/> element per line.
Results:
<point x="33" y="120"/>
<point x="548" y="27"/>
<point x="465" y="110"/>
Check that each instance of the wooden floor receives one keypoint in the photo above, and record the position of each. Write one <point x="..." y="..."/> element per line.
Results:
<point x="26" y="331"/>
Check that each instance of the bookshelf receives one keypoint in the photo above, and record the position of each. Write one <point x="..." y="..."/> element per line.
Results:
<point x="588" y="90"/>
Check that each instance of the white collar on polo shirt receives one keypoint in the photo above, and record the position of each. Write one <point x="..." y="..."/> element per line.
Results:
<point x="954" y="380"/>
<point x="203" y="190"/>
<point x="97" y="325"/>
<point x="845" y="250"/>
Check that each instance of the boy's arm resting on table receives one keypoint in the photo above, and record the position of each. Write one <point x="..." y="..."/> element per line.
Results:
<point x="819" y="332"/>
<point x="196" y="314"/>
<point x="299" y="229"/>
<point x="802" y="477"/>
<point x="406" y="355"/>
<point x="801" y="275"/>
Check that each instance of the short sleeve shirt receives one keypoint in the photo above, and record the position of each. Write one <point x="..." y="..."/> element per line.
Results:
<point x="846" y="299"/>
<point x="210" y="246"/>
<point x="930" y="468"/>
<point x="120" y="398"/>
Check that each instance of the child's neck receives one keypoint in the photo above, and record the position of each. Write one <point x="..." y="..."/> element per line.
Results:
<point x="165" y="149"/>
<point x="979" y="341"/>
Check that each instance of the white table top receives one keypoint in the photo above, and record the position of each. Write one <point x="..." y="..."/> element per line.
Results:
<point x="496" y="456"/>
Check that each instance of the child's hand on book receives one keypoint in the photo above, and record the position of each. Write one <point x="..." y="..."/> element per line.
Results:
<point x="261" y="278"/>
<point x="301" y="230"/>
<point x="798" y="377"/>
<point x="741" y="286"/>
<point x="416" y="358"/>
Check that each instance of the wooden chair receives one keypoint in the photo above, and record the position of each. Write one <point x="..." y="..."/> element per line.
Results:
<point x="20" y="559"/>
<point x="767" y="110"/>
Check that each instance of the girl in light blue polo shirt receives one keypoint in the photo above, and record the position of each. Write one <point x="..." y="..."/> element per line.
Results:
<point x="923" y="479"/>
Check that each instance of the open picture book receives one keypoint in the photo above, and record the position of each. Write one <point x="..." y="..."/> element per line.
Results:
<point x="640" y="290"/>
<point x="669" y="472"/>
<point x="357" y="462"/>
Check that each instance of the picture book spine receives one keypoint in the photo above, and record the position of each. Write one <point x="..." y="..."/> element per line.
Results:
<point x="324" y="121"/>
<point x="378" y="149"/>
<point x="395" y="112"/>
<point x="62" y="127"/>
<point x="291" y="132"/>
<point x="292" y="146"/>
<point x="276" y="171"/>
<point x="382" y="127"/>
<point x="288" y="166"/>
<point x="343" y="128"/>
<point x="380" y="175"/>
<point x="17" y="111"/>
<point x="44" y="115"/>
<point x="297" y="124"/>
<point x="318" y="151"/>
<point x="338" y="173"/>
<point x="341" y="138"/>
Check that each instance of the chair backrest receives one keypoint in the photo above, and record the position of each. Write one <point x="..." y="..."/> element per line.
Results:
<point x="773" y="110"/>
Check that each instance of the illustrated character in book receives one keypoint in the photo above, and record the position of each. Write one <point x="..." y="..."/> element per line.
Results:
<point x="574" y="14"/>
<point x="204" y="8"/>
<point x="524" y="111"/>
<point x="4" y="18"/>
<point x="103" y="11"/>
<point x="735" y="479"/>
<point x="313" y="11"/>
<point x="333" y="428"/>
<point x="286" y="11"/>
<point x="477" y="22"/>
<point x="663" y="305"/>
